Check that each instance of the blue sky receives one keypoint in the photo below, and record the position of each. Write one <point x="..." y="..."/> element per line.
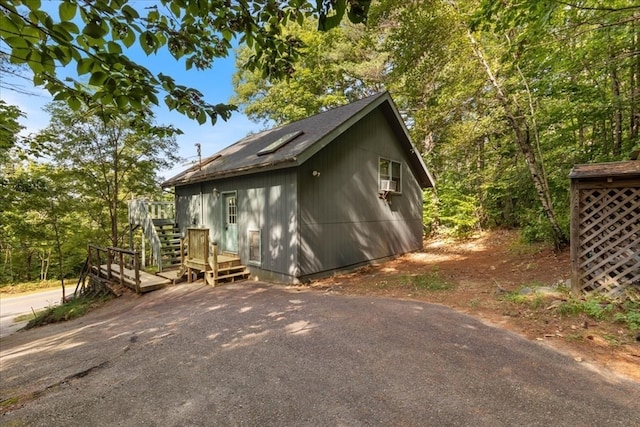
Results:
<point x="215" y="84"/>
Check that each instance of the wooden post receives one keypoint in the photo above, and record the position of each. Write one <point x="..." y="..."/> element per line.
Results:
<point x="574" y="237"/>
<point x="144" y="253"/>
<point x="121" y="260"/>
<point x="215" y="263"/>
<point x="136" y="269"/>
<point x="109" y="262"/>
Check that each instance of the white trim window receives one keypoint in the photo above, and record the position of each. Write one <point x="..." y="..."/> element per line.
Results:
<point x="389" y="176"/>
<point x="255" y="247"/>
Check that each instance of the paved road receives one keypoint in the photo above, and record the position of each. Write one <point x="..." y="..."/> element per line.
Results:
<point x="13" y="306"/>
<point x="257" y="355"/>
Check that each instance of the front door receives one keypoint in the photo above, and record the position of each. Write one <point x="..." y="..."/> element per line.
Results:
<point x="230" y="220"/>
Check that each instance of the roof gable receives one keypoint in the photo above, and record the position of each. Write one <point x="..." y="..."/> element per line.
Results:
<point x="292" y="144"/>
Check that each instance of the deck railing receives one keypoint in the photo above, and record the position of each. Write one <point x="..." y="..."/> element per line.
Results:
<point x="102" y="261"/>
<point x="195" y="252"/>
<point x="143" y="213"/>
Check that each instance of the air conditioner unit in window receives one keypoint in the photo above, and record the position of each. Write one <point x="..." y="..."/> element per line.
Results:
<point x="387" y="185"/>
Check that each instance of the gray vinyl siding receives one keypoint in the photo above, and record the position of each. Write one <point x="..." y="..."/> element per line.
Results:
<point x="266" y="202"/>
<point x="343" y="222"/>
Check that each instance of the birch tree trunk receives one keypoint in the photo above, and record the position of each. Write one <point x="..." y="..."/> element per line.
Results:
<point x="521" y="129"/>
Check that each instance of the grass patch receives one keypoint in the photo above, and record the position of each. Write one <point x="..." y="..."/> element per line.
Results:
<point x="27" y="316"/>
<point x="532" y="300"/>
<point x="522" y="247"/>
<point x="527" y="294"/>
<point x="593" y="307"/>
<point x="417" y="283"/>
<point x="72" y="309"/>
<point x="427" y="282"/>
<point x="629" y="315"/>
<point x="597" y="307"/>
<point x="19" y="288"/>
<point x="8" y="402"/>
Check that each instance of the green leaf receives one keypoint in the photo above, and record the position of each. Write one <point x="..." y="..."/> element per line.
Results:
<point x="202" y="117"/>
<point x="114" y="47"/>
<point x="62" y="54"/>
<point x="61" y="35"/>
<point x="61" y="96"/>
<point x="98" y="78"/>
<point x="152" y="98"/>
<point x="38" y="79"/>
<point x="67" y="10"/>
<point x="33" y="4"/>
<point x="34" y="60"/>
<point x="130" y="13"/>
<point x="84" y="66"/>
<point x="70" y="27"/>
<point x="17" y="42"/>
<point x="129" y="39"/>
<point x="74" y="103"/>
<point x="7" y="26"/>
<point x="147" y="41"/>
<point x="122" y="101"/>
<point x="175" y="9"/>
<point x="94" y="30"/>
<point x="153" y="16"/>
<point x="48" y="63"/>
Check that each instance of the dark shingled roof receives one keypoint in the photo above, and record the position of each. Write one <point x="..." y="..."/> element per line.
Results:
<point x="242" y="157"/>
<point x="612" y="169"/>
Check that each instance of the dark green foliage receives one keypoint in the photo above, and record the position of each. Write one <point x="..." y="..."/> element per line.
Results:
<point x="94" y="37"/>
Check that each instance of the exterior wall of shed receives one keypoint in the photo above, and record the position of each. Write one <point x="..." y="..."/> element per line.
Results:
<point x="605" y="234"/>
<point x="266" y="202"/>
<point x="343" y="222"/>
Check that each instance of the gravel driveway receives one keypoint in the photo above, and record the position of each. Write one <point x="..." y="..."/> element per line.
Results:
<point x="253" y="354"/>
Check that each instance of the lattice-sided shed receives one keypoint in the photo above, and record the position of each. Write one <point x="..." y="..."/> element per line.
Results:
<point x="605" y="234"/>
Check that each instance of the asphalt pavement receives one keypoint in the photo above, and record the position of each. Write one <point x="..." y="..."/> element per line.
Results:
<point x="14" y="306"/>
<point x="252" y="354"/>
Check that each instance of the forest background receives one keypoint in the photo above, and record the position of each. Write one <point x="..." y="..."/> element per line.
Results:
<point x="500" y="98"/>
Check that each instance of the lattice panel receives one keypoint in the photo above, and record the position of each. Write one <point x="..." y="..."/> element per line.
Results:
<point x="609" y="236"/>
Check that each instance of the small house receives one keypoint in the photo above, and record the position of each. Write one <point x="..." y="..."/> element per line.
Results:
<point x="334" y="191"/>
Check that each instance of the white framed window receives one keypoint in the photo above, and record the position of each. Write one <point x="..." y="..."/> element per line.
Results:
<point x="389" y="175"/>
<point x="255" y="245"/>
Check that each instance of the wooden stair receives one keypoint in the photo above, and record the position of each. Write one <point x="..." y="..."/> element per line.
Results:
<point x="228" y="268"/>
<point x="169" y="235"/>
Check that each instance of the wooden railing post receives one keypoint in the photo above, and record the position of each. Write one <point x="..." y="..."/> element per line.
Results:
<point x="136" y="269"/>
<point x="121" y="259"/>
<point x="215" y="263"/>
<point x="109" y="262"/>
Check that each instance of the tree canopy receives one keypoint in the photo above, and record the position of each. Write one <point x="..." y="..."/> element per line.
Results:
<point x="95" y="38"/>
<point x="501" y="98"/>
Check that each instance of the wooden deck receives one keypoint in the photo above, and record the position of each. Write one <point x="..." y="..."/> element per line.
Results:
<point x="148" y="282"/>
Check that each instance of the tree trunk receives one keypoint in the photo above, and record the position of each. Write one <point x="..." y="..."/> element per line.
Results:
<point x="520" y="126"/>
<point x="617" y="113"/>
<point x="634" y="91"/>
<point x="45" y="260"/>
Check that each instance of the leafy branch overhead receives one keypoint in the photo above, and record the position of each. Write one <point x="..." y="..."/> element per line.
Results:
<point x="95" y="37"/>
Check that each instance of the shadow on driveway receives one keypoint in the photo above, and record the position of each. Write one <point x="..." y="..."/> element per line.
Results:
<point x="259" y="354"/>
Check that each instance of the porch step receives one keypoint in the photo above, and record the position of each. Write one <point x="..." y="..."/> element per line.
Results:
<point x="227" y="273"/>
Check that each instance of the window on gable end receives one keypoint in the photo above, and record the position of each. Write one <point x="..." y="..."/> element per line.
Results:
<point x="389" y="176"/>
